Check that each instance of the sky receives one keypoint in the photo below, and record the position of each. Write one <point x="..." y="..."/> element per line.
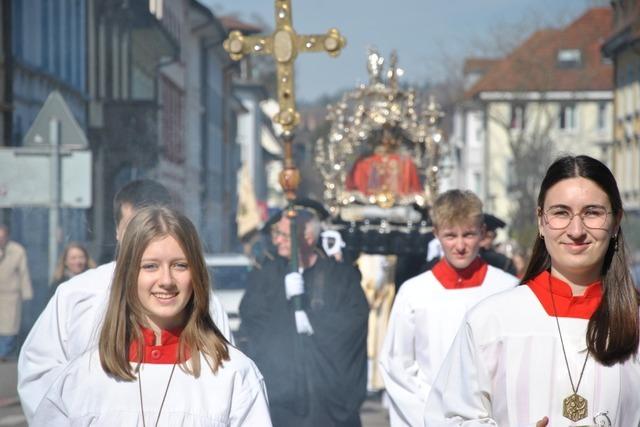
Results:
<point x="431" y="37"/>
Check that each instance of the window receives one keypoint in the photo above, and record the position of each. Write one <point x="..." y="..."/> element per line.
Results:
<point x="517" y="116"/>
<point x="46" y="36"/>
<point x="57" y="35"/>
<point x="602" y="115"/>
<point x="18" y="29"/>
<point x="569" y="58"/>
<point x="567" y="119"/>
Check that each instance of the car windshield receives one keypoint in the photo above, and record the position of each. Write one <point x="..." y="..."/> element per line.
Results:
<point x="229" y="277"/>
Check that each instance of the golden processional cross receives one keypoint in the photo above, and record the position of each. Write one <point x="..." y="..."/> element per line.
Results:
<point x="284" y="45"/>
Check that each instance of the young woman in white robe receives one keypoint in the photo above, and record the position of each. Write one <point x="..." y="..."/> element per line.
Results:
<point x="160" y="359"/>
<point x="562" y="348"/>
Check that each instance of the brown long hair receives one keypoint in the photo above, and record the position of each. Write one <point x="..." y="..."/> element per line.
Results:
<point x="125" y="313"/>
<point x="613" y="332"/>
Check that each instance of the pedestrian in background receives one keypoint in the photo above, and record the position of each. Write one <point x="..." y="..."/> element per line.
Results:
<point x="74" y="260"/>
<point x="15" y="287"/>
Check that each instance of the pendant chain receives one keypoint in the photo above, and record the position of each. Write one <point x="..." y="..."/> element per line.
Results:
<point x="564" y="352"/>
<point x="166" y="390"/>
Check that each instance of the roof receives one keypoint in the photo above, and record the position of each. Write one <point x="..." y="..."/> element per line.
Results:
<point x="532" y="66"/>
<point x="231" y="23"/>
<point x="479" y="65"/>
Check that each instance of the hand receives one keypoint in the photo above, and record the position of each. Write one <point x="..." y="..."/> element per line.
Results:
<point x="543" y="422"/>
<point x="303" y="326"/>
<point x="293" y="285"/>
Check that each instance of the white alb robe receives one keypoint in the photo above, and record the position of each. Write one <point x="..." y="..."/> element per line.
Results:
<point x="84" y="395"/>
<point x="506" y="368"/>
<point x="68" y="327"/>
<point x="424" y="321"/>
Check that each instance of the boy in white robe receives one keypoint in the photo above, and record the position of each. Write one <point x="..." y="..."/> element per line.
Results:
<point x="69" y="324"/>
<point x="429" y="308"/>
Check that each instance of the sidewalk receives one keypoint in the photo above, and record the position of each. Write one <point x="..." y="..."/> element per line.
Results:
<point x="10" y="410"/>
<point x="8" y="380"/>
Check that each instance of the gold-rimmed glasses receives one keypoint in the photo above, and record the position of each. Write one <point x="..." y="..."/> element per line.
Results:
<point x="559" y="218"/>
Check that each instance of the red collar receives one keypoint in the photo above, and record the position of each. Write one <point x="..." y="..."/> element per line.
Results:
<point x="165" y="353"/>
<point x="581" y="307"/>
<point x="469" y="277"/>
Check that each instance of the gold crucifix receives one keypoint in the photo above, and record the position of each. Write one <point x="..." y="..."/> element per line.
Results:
<point x="284" y="45"/>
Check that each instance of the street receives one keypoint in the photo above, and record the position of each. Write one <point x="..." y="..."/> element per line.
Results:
<point x="10" y="411"/>
<point x="373" y="414"/>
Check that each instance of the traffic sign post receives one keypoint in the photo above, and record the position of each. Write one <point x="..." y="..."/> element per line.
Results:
<point x="52" y="169"/>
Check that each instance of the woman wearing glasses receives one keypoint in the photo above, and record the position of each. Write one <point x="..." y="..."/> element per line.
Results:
<point x="562" y="348"/>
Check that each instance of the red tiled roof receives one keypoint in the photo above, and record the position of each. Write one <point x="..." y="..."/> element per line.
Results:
<point x="479" y="65"/>
<point x="231" y="23"/>
<point x="532" y="66"/>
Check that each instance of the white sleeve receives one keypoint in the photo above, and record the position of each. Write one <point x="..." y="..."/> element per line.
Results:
<point x="219" y="316"/>
<point x="67" y="327"/>
<point x="43" y="356"/>
<point x="250" y="406"/>
<point x="50" y="413"/>
<point x="461" y="393"/>
<point x="405" y="383"/>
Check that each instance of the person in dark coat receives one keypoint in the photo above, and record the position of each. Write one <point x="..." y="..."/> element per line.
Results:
<point x="313" y="357"/>
<point x="488" y="252"/>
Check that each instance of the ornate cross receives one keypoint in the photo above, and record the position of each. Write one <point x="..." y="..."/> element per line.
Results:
<point x="284" y="45"/>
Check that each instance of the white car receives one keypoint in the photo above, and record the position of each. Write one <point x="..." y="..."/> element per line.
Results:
<point x="229" y="273"/>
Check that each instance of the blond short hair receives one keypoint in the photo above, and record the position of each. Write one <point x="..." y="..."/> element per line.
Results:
<point x="457" y="207"/>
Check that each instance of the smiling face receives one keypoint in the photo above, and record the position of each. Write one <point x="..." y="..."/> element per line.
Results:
<point x="164" y="283"/>
<point x="577" y="252"/>
<point x="460" y="242"/>
<point x="76" y="260"/>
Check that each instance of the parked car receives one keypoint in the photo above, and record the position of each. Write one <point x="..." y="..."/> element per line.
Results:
<point x="229" y="273"/>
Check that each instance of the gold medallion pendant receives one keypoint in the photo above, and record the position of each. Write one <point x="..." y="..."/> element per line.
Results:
<point x="574" y="407"/>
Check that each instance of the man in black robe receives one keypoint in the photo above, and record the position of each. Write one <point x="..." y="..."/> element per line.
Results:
<point x="316" y="375"/>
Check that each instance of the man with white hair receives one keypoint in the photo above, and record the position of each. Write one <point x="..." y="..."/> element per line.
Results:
<point x="313" y="354"/>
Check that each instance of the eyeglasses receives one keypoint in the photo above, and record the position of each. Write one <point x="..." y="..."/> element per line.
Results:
<point x="559" y="218"/>
<point x="275" y="233"/>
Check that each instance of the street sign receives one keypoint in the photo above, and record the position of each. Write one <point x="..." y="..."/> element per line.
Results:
<point x="25" y="177"/>
<point x="55" y="108"/>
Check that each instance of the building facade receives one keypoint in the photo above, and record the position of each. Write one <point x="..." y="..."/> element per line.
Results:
<point x="551" y="95"/>
<point x="44" y="48"/>
<point x="621" y="47"/>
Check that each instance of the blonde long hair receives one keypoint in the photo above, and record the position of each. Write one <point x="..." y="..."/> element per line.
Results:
<point x="125" y="313"/>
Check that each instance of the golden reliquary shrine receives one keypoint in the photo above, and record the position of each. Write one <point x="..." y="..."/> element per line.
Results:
<point x="380" y="163"/>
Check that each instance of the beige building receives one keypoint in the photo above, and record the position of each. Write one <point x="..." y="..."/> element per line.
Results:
<point x="622" y="48"/>
<point x="551" y="95"/>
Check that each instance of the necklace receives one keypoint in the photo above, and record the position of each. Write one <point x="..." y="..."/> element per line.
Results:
<point x="163" y="397"/>
<point x="574" y="407"/>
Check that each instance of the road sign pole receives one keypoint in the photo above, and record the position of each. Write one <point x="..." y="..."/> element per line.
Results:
<point x="54" y="220"/>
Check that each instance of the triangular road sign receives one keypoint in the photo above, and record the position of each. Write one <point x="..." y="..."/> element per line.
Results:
<point x="55" y="107"/>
